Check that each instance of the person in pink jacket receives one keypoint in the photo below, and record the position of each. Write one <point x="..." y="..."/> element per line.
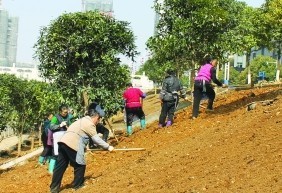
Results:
<point x="133" y="106"/>
<point x="203" y="85"/>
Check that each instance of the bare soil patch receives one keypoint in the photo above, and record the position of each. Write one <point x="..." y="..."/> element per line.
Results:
<point x="228" y="150"/>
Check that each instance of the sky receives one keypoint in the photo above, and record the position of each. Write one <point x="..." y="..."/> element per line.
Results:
<point x="34" y="14"/>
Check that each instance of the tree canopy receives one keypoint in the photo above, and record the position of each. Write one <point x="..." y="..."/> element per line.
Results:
<point x="270" y="30"/>
<point x="24" y="103"/>
<point x="79" y="54"/>
<point x="188" y="30"/>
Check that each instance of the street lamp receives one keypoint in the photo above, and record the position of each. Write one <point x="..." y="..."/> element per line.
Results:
<point x="249" y="77"/>
<point x="226" y="70"/>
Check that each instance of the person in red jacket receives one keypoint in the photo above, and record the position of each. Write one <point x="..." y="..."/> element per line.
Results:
<point x="133" y="106"/>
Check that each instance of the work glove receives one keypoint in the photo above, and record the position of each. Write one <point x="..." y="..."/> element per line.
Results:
<point x="63" y="124"/>
<point x="111" y="148"/>
<point x="100" y="135"/>
<point x="224" y="86"/>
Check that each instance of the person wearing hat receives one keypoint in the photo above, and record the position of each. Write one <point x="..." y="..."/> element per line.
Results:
<point x="72" y="147"/>
<point x="169" y="98"/>
<point x="133" y="106"/>
<point x="100" y="128"/>
<point x="202" y="85"/>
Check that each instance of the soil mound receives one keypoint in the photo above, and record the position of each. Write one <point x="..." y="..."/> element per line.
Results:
<point x="233" y="149"/>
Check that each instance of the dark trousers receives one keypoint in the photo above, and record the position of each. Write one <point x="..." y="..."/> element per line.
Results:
<point x="198" y="95"/>
<point x="131" y="112"/>
<point x="100" y="128"/>
<point x="67" y="156"/>
<point x="44" y="139"/>
<point x="47" y="149"/>
<point x="168" y="109"/>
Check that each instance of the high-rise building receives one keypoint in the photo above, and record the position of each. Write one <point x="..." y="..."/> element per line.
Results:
<point x="8" y="49"/>
<point x="157" y="17"/>
<point x="104" y="6"/>
<point x="8" y="38"/>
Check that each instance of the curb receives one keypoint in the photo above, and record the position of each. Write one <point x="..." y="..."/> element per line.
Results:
<point x="21" y="159"/>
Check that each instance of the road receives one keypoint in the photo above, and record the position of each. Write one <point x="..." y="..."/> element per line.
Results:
<point x="10" y="142"/>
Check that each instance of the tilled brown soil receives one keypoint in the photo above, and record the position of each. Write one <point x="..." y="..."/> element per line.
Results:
<point x="229" y="150"/>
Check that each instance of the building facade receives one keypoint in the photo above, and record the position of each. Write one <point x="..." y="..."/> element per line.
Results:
<point x="28" y="71"/>
<point x="240" y="61"/>
<point x="142" y="82"/>
<point x="8" y="38"/>
<point x="157" y="18"/>
<point x="8" y="49"/>
<point x="104" y="6"/>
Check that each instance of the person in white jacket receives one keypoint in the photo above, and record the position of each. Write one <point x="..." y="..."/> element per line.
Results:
<point x="72" y="148"/>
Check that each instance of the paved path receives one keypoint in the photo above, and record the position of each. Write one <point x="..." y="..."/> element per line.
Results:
<point x="17" y="161"/>
<point x="10" y="142"/>
<point x="120" y="126"/>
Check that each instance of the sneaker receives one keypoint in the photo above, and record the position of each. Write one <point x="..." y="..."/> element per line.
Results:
<point x="127" y="135"/>
<point x="209" y="110"/>
<point x="169" y="123"/>
<point x="193" y="118"/>
<point x="79" y="187"/>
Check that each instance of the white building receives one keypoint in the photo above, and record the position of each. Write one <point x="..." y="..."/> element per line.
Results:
<point x="142" y="82"/>
<point x="27" y="71"/>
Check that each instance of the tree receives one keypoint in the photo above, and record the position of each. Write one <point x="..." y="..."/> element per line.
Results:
<point x="259" y="64"/>
<point x="5" y="98"/>
<point x="49" y="99"/>
<point x="153" y="70"/>
<point x="262" y="64"/>
<point x="270" y="30"/>
<point x="23" y="105"/>
<point x="235" y="78"/>
<point x="188" y="30"/>
<point x="78" y="53"/>
<point x="243" y="36"/>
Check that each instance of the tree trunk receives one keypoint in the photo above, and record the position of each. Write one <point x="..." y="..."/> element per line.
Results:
<point x="192" y="77"/>
<point x="19" y="144"/>
<point x="249" y="75"/>
<point x="278" y="65"/>
<point x="278" y="74"/>
<point x="155" y="87"/>
<point x="39" y="134"/>
<point x="32" y="140"/>
<point x="85" y="99"/>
